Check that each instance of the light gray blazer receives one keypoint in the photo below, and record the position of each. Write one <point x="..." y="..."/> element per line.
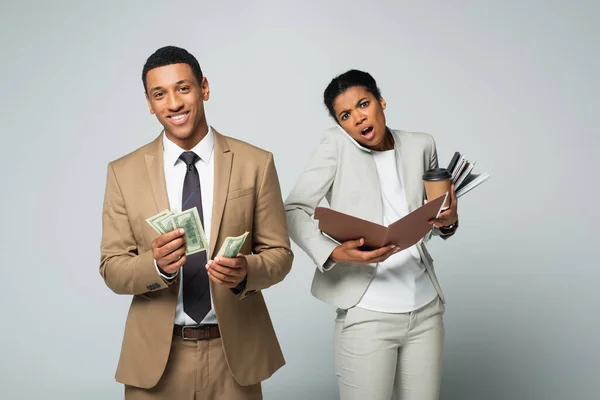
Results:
<point x="344" y="173"/>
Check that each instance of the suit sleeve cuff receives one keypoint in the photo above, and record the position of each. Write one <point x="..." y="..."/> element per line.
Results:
<point x="241" y="287"/>
<point x="330" y="263"/>
<point x="322" y="255"/>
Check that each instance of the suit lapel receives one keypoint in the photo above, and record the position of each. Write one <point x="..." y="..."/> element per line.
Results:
<point x="403" y="165"/>
<point x="223" y="161"/>
<point x="156" y="174"/>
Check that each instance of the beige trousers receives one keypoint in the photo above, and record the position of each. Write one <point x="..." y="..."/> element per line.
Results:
<point x="377" y="353"/>
<point x="196" y="370"/>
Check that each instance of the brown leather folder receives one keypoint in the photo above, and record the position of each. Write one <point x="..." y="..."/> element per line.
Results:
<point x="405" y="232"/>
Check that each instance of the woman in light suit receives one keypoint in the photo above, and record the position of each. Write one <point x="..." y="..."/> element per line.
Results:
<point x="389" y="330"/>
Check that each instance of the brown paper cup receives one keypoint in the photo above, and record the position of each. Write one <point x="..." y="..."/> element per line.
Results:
<point x="437" y="183"/>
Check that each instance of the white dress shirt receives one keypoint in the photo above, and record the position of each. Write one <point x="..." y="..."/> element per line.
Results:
<point x="400" y="283"/>
<point x="175" y="171"/>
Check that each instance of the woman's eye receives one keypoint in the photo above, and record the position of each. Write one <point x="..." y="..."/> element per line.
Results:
<point x="345" y="117"/>
<point x="364" y="104"/>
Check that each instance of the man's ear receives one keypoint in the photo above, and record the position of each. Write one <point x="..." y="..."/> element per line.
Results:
<point x="205" y="88"/>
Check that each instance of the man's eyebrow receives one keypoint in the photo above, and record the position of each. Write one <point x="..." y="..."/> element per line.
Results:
<point x="179" y="82"/>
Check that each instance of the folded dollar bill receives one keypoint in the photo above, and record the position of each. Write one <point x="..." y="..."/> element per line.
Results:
<point x="195" y="237"/>
<point x="232" y="246"/>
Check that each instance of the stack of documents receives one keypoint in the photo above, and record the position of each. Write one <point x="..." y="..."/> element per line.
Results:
<point x="462" y="174"/>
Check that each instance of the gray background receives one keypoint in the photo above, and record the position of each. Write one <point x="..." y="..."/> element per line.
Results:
<point x="513" y="84"/>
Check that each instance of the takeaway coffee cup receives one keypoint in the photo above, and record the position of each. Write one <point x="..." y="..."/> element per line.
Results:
<point x="437" y="183"/>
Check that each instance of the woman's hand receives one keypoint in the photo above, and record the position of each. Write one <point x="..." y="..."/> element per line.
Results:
<point x="450" y="216"/>
<point x="349" y="252"/>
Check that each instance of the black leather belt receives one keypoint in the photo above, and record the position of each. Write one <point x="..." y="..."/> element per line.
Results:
<point x="197" y="332"/>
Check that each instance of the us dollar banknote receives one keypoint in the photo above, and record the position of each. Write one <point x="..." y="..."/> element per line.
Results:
<point x="232" y="246"/>
<point x="189" y="220"/>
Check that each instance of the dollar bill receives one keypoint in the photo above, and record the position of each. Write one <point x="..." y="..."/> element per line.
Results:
<point x="195" y="238"/>
<point x="152" y="220"/>
<point x="166" y="223"/>
<point x="232" y="246"/>
<point x="189" y="220"/>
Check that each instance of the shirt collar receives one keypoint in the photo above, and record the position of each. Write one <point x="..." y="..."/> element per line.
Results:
<point x="204" y="149"/>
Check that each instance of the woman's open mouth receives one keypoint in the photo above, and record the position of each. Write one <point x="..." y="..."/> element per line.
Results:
<point x="368" y="133"/>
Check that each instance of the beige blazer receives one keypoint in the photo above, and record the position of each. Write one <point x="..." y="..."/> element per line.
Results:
<point x="247" y="197"/>
<point x="344" y="173"/>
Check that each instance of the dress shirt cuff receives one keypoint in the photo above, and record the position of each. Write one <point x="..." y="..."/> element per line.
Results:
<point x="165" y="276"/>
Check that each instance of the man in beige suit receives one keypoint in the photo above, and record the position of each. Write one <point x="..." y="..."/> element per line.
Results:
<point x="198" y="326"/>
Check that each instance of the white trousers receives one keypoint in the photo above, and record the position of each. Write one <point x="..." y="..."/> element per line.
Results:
<point x="377" y="353"/>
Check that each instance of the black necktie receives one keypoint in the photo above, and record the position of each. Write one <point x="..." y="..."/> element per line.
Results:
<point x="196" y="290"/>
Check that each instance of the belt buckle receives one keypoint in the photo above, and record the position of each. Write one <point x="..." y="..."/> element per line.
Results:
<point x="205" y="328"/>
<point x="184" y="327"/>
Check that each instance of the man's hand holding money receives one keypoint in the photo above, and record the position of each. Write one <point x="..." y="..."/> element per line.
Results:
<point x="228" y="272"/>
<point x="169" y="251"/>
<point x="229" y="268"/>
